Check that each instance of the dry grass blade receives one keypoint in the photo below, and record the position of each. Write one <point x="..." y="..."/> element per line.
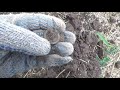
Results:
<point x="68" y="74"/>
<point x="26" y="74"/>
<point x="83" y="60"/>
<point x="114" y="64"/>
<point x="60" y="73"/>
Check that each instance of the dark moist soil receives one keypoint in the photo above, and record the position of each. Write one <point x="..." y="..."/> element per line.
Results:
<point x="84" y="64"/>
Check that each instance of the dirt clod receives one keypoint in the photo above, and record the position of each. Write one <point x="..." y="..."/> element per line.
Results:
<point x="117" y="64"/>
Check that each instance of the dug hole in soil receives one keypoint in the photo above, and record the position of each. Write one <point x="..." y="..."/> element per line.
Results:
<point x="84" y="64"/>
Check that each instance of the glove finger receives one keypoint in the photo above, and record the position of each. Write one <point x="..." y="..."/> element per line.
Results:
<point x="15" y="38"/>
<point x="63" y="48"/>
<point x="39" y="21"/>
<point x="53" y="60"/>
<point x="54" y="36"/>
<point x="69" y="37"/>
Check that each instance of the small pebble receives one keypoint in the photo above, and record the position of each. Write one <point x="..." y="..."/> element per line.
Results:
<point x="111" y="41"/>
<point x="117" y="64"/>
<point x="112" y="20"/>
<point x="107" y="75"/>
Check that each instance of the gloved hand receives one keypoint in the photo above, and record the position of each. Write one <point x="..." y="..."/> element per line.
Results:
<point x="30" y="40"/>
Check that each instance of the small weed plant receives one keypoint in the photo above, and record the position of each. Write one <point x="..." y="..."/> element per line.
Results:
<point x="110" y="49"/>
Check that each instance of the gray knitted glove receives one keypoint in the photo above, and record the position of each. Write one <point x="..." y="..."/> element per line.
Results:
<point x="30" y="40"/>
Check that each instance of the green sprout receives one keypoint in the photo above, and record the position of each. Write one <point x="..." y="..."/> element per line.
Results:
<point x="110" y="49"/>
<point x="103" y="61"/>
<point x="102" y="38"/>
